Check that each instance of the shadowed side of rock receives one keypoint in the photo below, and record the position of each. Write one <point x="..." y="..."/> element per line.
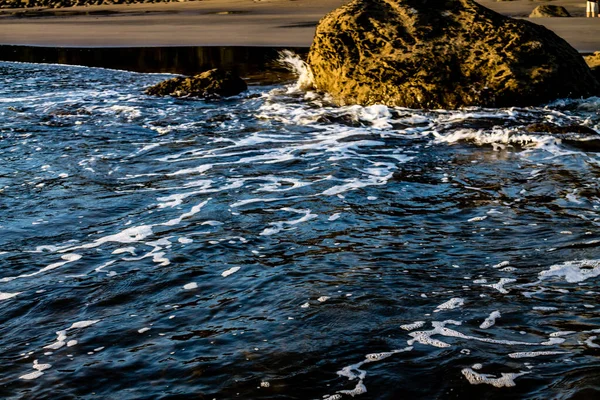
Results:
<point x="442" y="54"/>
<point x="209" y="84"/>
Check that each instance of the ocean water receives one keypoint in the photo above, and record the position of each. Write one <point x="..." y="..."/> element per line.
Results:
<point x="273" y="246"/>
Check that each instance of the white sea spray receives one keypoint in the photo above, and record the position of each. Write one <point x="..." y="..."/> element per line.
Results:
<point x="299" y="67"/>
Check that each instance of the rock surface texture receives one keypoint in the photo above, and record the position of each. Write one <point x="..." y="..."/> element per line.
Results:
<point x="209" y="84"/>
<point x="442" y="54"/>
<point x="71" y="3"/>
<point x="549" y="11"/>
<point x="593" y="61"/>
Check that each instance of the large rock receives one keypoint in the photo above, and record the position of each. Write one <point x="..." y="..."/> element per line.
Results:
<point x="209" y="84"/>
<point x="442" y="54"/>
<point x="546" y="11"/>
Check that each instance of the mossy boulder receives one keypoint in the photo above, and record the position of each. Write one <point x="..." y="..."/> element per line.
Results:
<point x="547" y="11"/>
<point x="210" y="84"/>
<point x="442" y="54"/>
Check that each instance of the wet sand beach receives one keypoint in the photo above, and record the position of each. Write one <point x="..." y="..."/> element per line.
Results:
<point x="228" y="23"/>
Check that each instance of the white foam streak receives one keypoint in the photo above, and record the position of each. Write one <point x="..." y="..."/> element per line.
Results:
<point x="230" y="271"/>
<point x="197" y="170"/>
<point x="130" y="235"/>
<point x="83" y="324"/>
<point x="6" y="296"/>
<point x="532" y="354"/>
<point x="439" y="328"/>
<point x="590" y="342"/>
<point x="195" y="210"/>
<point x="277" y="227"/>
<point x="494" y="136"/>
<point x="68" y="258"/>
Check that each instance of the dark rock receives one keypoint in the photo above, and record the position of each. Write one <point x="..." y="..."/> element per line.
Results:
<point x="442" y="54"/>
<point x="596" y="72"/>
<point x="209" y="84"/>
<point x="547" y="127"/>
<point x="546" y="11"/>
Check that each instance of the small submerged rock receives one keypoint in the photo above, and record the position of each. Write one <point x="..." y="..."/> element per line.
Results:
<point x="547" y="127"/>
<point x="210" y="84"/>
<point x="578" y="136"/>
<point x="442" y="54"/>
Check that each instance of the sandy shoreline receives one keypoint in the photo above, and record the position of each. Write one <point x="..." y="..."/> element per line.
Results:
<point x="229" y="23"/>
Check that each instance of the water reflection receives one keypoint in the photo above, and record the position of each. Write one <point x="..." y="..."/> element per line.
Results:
<point x="255" y="63"/>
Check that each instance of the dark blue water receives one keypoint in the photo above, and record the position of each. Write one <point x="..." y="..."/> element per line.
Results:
<point x="271" y="246"/>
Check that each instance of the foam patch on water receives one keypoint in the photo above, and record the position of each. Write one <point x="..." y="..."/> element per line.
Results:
<point x="505" y="379"/>
<point x="61" y="337"/>
<point x="500" y="285"/>
<point x="491" y="320"/>
<point x="38" y="371"/>
<point x="230" y="271"/>
<point x="83" y="324"/>
<point x="130" y="250"/>
<point x="190" y="286"/>
<point x="354" y="372"/>
<point x="573" y="271"/>
<point x="503" y="264"/>
<point x="450" y="304"/>
<point x="128" y="112"/>
<point x="413" y="326"/>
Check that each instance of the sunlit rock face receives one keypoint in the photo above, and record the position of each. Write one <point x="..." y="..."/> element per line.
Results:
<point x="442" y="54"/>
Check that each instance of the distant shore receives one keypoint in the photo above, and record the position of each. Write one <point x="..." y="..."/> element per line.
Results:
<point x="228" y="23"/>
